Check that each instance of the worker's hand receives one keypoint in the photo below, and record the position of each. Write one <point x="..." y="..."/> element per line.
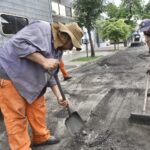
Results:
<point x="50" y="64"/>
<point x="63" y="102"/>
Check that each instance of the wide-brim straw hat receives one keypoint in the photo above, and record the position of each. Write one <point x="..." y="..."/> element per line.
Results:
<point x="74" y="31"/>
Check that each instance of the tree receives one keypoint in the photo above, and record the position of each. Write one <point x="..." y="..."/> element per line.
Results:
<point x="146" y="13"/>
<point x="115" y="30"/>
<point x="112" y="10"/>
<point x="133" y="8"/>
<point x="99" y="27"/>
<point x="129" y="10"/>
<point x="86" y="13"/>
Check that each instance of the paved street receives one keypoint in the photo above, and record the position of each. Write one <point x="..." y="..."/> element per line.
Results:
<point x="104" y="93"/>
<point x="53" y="107"/>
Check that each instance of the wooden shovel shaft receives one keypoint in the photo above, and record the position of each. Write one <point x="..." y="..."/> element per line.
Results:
<point x="146" y="91"/>
<point x="62" y="93"/>
<point x="60" y="88"/>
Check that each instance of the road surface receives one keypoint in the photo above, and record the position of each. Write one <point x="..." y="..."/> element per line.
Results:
<point x="104" y="93"/>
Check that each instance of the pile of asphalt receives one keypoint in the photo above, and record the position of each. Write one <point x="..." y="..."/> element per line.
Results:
<point x="120" y="59"/>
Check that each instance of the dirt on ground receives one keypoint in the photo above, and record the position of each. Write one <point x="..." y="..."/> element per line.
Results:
<point x="104" y="93"/>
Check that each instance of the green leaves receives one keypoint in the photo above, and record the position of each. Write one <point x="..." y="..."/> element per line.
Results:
<point x="87" y="11"/>
<point x="115" y="30"/>
<point x="146" y="11"/>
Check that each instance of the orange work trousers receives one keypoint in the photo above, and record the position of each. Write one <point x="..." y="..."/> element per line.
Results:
<point x="62" y="68"/>
<point x="18" y="114"/>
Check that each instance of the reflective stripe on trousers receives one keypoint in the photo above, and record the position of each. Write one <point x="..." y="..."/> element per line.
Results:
<point x="18" y="113"/>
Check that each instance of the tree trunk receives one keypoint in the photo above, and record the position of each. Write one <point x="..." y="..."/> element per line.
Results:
<point x="97" y="40"/>
<point x="118" y="45"/>
<point x="125" y="43"/>
<point x="87" y="55"/>
<point x="114" y="45"/>
<point x="91" y="44"/>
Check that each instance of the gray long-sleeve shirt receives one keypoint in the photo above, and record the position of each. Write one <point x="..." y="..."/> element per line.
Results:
<point x="28" y="77"/>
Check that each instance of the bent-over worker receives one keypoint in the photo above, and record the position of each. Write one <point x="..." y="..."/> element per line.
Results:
<point x="25" y="60"/>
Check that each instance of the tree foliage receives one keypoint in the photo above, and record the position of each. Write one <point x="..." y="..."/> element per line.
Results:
<point x="114" y="30"/>
<point x="112" y="10"/>
<point x="130" y="10"/>
<point x="99" y="26"/>
<point x="146" y="12"/>
<point x="86" y="13"/>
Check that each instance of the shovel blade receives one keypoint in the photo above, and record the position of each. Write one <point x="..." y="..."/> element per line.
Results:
<point x="74" y="123"/>
<point x="140" y="118"/>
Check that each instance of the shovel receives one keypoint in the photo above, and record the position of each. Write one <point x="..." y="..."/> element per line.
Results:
<point x="142" y="118"/>
<point x="74" y="122"/>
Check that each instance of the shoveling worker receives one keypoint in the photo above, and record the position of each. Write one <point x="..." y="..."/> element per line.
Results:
<point x="145" y="28"/>
<point x="64" y="72"/>
<point x="25" y="60"/>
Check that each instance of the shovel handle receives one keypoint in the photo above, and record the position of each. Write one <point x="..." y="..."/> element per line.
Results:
<point x="146" y="91"/>
<point x="59" y="86"/>
<point x="62" y="93"/>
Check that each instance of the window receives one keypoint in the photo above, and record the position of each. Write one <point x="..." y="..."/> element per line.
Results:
<point x="62" y="10"/>
<point x="12" y="24"/>
<point x="68" y="11"/>
<point x="55" y="8"/>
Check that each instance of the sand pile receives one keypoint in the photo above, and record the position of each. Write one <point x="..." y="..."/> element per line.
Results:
<point x="120" y="59"/>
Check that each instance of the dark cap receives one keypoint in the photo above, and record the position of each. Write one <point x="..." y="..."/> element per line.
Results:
<point x="145" y="25"/>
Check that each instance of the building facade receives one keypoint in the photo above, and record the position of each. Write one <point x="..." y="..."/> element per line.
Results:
<point x="32" y="9"/>
<point x="62" y="11"/>
<point x="47" y="10"/>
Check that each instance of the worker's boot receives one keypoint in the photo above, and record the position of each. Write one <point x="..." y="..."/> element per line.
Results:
<point x="1" y="115"/>
<point x="67" y="78"/>
<point x="51" y="141"/>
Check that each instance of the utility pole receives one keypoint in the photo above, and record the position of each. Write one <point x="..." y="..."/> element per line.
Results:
<point x="50" y="11"/>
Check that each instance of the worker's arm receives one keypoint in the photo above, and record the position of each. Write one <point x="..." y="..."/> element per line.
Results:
<point x="60" y="99"/>
<point x="46" y="63"/>
<point x="49" y="64"/>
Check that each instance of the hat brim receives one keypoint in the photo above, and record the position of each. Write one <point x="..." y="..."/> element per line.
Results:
<point x="75" y="42"/>
<point x="145" y="29"/>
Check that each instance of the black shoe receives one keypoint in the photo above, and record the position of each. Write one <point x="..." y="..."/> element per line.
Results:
<point x="67" y="78"/>
<point x="1" y="116"/>
<point x="51" y="141"/>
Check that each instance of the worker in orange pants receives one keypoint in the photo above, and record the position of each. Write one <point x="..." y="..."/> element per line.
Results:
<point x="28" y="66"/>
<point x="64" y="72"/>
